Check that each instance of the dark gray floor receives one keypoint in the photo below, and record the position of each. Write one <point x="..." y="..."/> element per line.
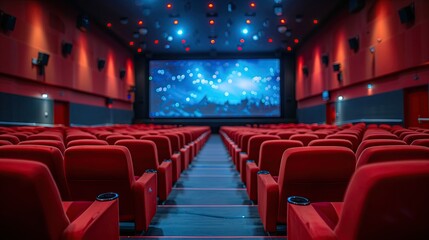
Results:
<point x="208" y="202"/>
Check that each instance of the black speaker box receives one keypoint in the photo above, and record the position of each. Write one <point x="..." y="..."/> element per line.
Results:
<point x="305" y="70"/>
<point x="406" y="14"/>
<point x="42" y="59"/>
<point x="354" y="43"/>
<point x="7" y="21"/>
<point x="100" y="64"/>
<point x="336" y="67"/>
<point x="67" y="48"/>
<point x="122" y="74"/>
<point x="325" y="60"/>
<point x="356" y="5"/>
<point x="82" y="22"/>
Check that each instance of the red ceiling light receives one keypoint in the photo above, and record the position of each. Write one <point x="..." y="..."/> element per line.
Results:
<point x="252" y="4"/>
<point x="296" y="40"/>
<point x="175" y="22"/>
<point x="140" y="22"/>
<point x="139" y="50"/>
<point x="289" y="49"/>
<point x="109" y="25"/>
<point x="211" y="22"/>
<point x="156" y="41"/>
<point x="270" y="40"/>
<point x="131" y="43"/>
<point x="283" y="21"/>
<point x="248" y="21"/>
<point x="211" y="5"/>
<point x="169" y="5"/>
<point x="315" y="21"/>
<point x="187" y="49"/>
<point x="242" y="40"/>
<point x="183" y="41"/>
<point x="239" y="48"/>
<point x="212" y="41"/>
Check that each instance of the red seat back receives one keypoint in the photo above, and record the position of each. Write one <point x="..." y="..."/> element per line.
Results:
<point x="305" y="138"/>
<point x="30" y="206"/>
<point x="332" y="142"/>
<point x="254" y="146"/>
<point x="53" y="143"/>
<point x="387" y="201"/>
<point x="271" y="154"/>
<point x="377" y="142"/>
<point x="143" y="154"/>
<point x="392" y="153"/>
<point x="162" y="145"/>
<point x="80" y="142"/>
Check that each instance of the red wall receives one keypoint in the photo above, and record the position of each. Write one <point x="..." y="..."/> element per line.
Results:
<point x="401" y="57"/>
<point x="42" y="26"/>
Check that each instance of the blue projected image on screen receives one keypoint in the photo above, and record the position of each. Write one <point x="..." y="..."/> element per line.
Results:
<point x="214" y="88"/>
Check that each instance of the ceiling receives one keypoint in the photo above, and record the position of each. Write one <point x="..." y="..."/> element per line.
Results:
<point x="153" y="26"/>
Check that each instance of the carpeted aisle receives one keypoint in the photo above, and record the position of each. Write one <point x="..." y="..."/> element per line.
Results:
<point x="207" y="202"/>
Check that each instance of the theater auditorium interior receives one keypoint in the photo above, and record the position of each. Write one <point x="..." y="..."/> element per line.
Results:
<point x="214" y="119"/>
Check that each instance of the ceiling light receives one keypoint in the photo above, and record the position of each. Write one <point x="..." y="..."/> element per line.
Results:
<point x="315" y="21"/>
<point x="212" y="41"/>
<point x="252" y="4"/>
<point x="169" y="5"/>
<point x="139" y="50"/>
<point x="131" y="43"/>
<point x="239" y="48"/>
<point x="183" y="41"/>
<point x="187" y="49"/>
<point x="340" y="98"/>
<point x="211" y="5"/>
<point x="167" y="46"/>
<point x="211" y="22"/>
<point x="175" y="22"/>
<point x="140" y="22"/>
<point x="123" y="20"/>
<point x="169" y="38"/>
<point x="283" y="21"/>
<point x="278" y="10"/>
<point x="282" y="29"/>
<point x="289" y="49"/>
<point x="44" y="95"/>
<point x="109" y="25"/>
<point x="296" y="40"/>
<point x="270" y="40"/>
<point x="255" y="37"/>
<point x="242" y="40"/>
<point x="245" y="31"/>
<point x="156" y="41"/>
<point x="248" y="21"/>
<point x="180" y="32"/>
<point x="143" y="31"/>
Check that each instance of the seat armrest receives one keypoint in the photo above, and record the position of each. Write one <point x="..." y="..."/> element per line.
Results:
<point x="268" y="200"/>
<point x="305" y="223"/>
<point x="242" y="165"/>
<point x="252" y="180"/>
<point x="165" y="179"/>
<point x="99" y="221"/>
<point x="145" y="190"/>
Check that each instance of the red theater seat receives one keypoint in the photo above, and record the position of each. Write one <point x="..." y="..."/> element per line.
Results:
<point x="50" y="156"/>
<point x="5" y="142"/>
<point x="421" y="142"/>
<point x="75" y="136"/>
<point x="80" y="142"/>
<point x="11" y="138"/>
<point x="392" y="153"/>
<point x="91" y="170"/>
<point x="383" y="201"/>
<point x="411" y="137"/>
<point x="113" y="138"/>
<point x="318" y="173"/>
<point x="377" y="142"/>
<point x="270" y="155"/>
<point x="305" y="138"/>
<point x="47" y="142"/>
<point x="31" y="208"/>
<point x="163" y="147"/>
<point x="253" y="149"/>
<point x="45" y="136"/>
<point x="145" y="156"/>
<point x="332" y="142"/>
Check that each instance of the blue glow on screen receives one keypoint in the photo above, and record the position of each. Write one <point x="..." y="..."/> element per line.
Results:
<point x="214" y="88"/>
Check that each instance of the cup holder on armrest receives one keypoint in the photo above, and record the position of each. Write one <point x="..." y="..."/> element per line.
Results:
<point x="265" y="172"/>
<point x="150" y="171"/>
<point x="297" y="200"/>
<point x="109" y="196"/>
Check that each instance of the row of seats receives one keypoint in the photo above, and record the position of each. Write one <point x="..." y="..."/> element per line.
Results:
<point x="274" y="169"/>
<point x="139" y="170"/>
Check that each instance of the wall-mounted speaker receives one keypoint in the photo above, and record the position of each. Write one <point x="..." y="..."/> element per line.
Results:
<point x="42" y="59"/>
<point x="109" y="102"/>
<point x="122" y="74"/>
<point x="82" y="22"/>
<point x="340" y="76"/>
<point x="325" y="59"/>
<point x="7" y="21"/>
<point x="336" y="67"/>
<point x="305" y="71"/>
<point x="354" y="43"/>
<point x="406" y="14"/>
<point x="66" y="48"/>
<point x="100" y="64"/>
<point x="356" y="5"/>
